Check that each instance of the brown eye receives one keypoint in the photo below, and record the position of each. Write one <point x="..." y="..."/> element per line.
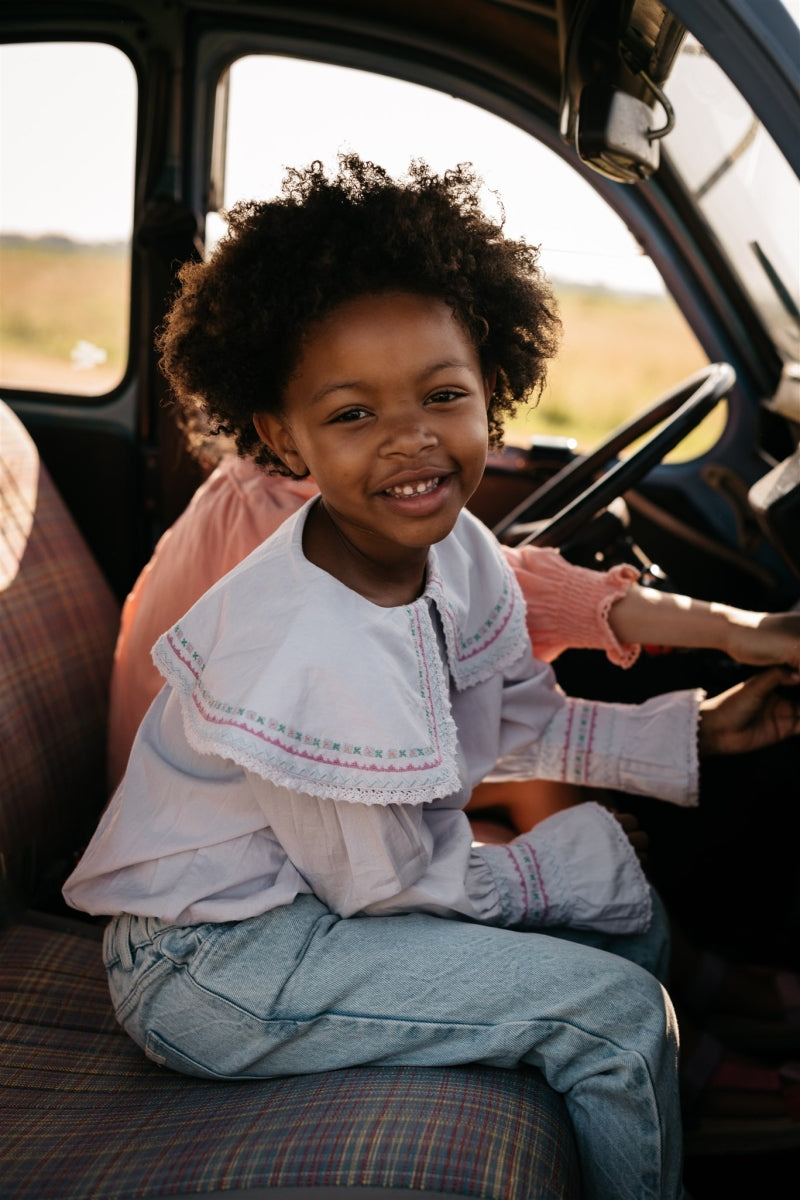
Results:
<point x="444" y="396"/>
<point x="350" y="416"/>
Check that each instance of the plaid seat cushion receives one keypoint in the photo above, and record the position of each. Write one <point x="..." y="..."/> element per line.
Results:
<point x="84" y="1114"/>
<point x="58" y="626"/>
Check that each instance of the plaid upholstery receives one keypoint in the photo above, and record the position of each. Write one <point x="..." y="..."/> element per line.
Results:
<point x="58" y="623"/>
<point x="84" y="1114"/>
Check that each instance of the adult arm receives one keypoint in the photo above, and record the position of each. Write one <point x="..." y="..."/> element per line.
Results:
<point x="571" y="607"/>
<point x="758" y="639"/>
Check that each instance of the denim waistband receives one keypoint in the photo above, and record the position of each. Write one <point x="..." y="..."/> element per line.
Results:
<point x="127" y="933"/>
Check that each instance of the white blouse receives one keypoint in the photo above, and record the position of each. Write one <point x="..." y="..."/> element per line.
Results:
<point x="309" y="741"/>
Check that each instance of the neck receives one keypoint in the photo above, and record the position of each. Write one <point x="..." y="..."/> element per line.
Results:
<point x="381" y="580"/>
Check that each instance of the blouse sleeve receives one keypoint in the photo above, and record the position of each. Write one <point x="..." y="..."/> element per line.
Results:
<point x="647" y="749"/>
<point x="576" y="868"/>
<point x="568" y="606"/>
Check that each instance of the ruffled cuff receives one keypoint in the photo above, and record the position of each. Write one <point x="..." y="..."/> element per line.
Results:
<point x="577" y="869"/>
<point x="648" y="749"/>
<point x="568" y="606"/>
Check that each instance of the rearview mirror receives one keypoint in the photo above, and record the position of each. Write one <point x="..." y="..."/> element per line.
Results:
<point x="615" y="56"/>
<point x="614" y="133"/>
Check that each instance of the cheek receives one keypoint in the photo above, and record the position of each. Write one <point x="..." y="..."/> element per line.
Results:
<point x="477" y="434"/>
<point x="335" y="462"/>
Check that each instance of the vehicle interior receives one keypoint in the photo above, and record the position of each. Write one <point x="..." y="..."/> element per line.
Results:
<point x="679" y="121"/>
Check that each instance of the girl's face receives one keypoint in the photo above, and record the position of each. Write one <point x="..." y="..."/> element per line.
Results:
<point x="387" y="411"/>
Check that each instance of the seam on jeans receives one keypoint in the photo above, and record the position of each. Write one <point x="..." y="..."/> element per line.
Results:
<point x="141" y="982"/>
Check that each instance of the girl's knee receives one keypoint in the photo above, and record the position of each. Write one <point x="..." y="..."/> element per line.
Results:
<point x="635" y="998"/>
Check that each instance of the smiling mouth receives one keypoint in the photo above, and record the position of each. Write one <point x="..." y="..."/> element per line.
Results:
<point x="414" y="489"/>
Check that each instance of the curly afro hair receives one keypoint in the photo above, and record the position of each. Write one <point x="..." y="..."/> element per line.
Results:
<point x="235" y="332"/>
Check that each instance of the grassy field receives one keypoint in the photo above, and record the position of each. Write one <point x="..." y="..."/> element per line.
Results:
<point x="64" y="327"/>
<point x="619" y="353"/>
<point x="63" y="315"/>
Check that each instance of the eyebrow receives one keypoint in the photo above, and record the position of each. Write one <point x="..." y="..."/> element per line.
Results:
<point x="444" y="365"/>
<point x="356" y="385"/>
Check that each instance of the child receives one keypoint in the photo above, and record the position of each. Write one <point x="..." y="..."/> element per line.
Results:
<point x="287" y="861"/>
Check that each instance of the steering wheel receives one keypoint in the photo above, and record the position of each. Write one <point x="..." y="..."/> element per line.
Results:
<point x="575" y="491"/>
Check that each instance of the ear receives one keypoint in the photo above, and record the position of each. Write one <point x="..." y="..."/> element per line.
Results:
<point x="276" y="434"/>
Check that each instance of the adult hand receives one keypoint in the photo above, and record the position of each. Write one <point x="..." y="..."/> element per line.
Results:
<point x="764" y="639"/>
<point x="751" y="715"/>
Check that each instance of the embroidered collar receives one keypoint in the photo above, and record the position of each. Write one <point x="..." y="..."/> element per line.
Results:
<point x="289" y="673"/>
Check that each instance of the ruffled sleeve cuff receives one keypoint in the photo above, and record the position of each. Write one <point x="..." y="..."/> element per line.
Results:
<point x="648" y="749"/>
<point x="577" y="869"/>
<point x="568" y="606"/>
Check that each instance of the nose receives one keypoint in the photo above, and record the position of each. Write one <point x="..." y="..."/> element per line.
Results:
<point x="409" y="433"/>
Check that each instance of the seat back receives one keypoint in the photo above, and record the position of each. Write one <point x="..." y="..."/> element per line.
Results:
<point x="58" y="624"/>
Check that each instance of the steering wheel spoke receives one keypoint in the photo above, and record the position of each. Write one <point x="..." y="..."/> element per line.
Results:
<point x="581" y="489"/>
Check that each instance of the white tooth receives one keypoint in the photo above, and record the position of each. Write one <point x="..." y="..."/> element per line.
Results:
<point x="411" y="489"/>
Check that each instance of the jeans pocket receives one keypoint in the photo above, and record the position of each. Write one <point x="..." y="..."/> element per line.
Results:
<point x="161" y="1052"/>
<point x="254" y="1052"/>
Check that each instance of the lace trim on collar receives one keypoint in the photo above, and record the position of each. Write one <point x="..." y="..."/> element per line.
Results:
<point x="340" y="699"/>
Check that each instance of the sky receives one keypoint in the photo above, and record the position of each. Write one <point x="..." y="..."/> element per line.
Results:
<point x="64" y="153"/>
<point x="391" y="122"/>
<point x="67" y="160"/>
<point x="67" y="150"/>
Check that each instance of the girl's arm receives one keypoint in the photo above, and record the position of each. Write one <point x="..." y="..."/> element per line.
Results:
<point x="577" y="868"/>
<point x="758" y="639"/>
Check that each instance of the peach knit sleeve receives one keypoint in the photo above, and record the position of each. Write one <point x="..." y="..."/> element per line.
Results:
<point x="568" y="606"/>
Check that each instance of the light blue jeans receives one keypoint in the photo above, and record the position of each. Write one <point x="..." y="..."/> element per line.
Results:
<point x="299" y="990"/>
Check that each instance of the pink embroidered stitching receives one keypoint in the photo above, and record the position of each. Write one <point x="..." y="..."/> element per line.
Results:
<point x="432" y="753"/>
<point x="523" y="882"/>
<point x="567" y="738"/>
<point x="531" y="911"/>
<point x="540" y="882"/>
<point x="419" y="645"/>
<point x="575" y="759"/>
<point x="317" y="758"/>
<point x="195" y="657"/>
<point x="579" y="762"/>
<point x="507" y="601"/>
<point x="590" y="743"/>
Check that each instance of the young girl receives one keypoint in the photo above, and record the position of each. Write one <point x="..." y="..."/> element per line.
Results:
<point x="287" y="862"/>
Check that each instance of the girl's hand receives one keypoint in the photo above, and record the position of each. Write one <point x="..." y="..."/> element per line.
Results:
<point x="764" y="639"/>
<point x="751" y="715"/>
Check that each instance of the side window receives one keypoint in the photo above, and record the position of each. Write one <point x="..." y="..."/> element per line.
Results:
<point x="67" y="146"/>
<point x="625" y="341"/>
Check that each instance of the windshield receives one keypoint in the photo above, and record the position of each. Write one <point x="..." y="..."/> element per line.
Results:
<point x="742" y="185"/>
